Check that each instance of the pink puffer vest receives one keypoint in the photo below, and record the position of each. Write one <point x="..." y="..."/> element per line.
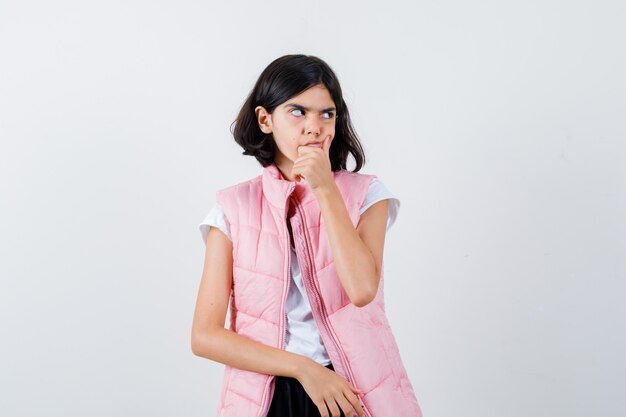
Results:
<point x="359" y="341"/>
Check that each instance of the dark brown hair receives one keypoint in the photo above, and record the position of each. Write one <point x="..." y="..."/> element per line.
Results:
<point x="282" y="79"/>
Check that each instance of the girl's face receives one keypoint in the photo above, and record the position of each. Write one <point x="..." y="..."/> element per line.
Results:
<point x="303" y="120"/>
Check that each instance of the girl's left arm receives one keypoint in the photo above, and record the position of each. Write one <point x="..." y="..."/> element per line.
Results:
<point x="357" y="252"/>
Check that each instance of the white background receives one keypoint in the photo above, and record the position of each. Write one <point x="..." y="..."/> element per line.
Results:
<point x="499" y="125"/>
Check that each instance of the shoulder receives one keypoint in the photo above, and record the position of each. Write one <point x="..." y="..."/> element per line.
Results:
<point x="353" y="188"/>
<point x="378" y="191"/>
<point x="350" y="176"/>
<point x="373" y="186"/>
<point x="378" y="187"/>
<point x="215" y="218"/>
<point x="233" y="198"/>
<point x="242" y="186"/>
<point x="353" y="185"/>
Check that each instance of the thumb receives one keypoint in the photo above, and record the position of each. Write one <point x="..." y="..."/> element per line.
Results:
<point x="326" y="145"/>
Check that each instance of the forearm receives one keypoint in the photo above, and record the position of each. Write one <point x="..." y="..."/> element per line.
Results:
<point x="227" y="347"/>
<point x="354" y="261"/>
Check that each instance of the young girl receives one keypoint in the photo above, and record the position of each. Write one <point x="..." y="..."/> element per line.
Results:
<point x="298" y="253"/>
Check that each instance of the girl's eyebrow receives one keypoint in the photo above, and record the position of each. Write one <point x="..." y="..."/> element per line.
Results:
<point x="301" y="107"/>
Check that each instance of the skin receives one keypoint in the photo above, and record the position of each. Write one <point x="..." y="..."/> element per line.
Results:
<point x="357" y="253"/>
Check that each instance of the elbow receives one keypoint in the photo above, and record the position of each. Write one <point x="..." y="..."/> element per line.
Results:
<point x="201" y="342"/>
<point x="360" y="302"/>
<point x="195" y="344"/>
<point x="364" y="298"/>
<point x="367" y="293"/>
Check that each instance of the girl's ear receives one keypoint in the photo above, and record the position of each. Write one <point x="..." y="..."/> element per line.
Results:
<point x="263" y="119"/>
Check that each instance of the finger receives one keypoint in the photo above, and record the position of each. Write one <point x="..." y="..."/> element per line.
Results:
<point x="326" y="145"/>
<point x="302" y="167"/>
<point x="296" y="173"/>
<point x="332" y="406"/>
<point x="299" y="163"/>
<point x="345" y="406"/>
<point x="321" y="406"/>
<point x="355" y="389"/>
<point x="355" y="403"/>
<point x="305" y="157"/>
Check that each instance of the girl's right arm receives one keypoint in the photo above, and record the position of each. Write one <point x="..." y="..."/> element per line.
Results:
<point x="209" y="338"/>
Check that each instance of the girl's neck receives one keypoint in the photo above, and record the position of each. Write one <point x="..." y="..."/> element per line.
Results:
<point x="284" y="168"/>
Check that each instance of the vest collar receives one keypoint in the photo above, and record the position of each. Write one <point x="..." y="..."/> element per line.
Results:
<point x="277" y="189"/>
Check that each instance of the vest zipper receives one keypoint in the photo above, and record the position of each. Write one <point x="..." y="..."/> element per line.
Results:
<point x="311" y="288"/>
<point x="321" y="318"/>
<point x="270" y="380"/>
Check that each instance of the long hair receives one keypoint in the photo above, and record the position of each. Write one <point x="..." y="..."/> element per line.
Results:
<point x="282" y="79"/>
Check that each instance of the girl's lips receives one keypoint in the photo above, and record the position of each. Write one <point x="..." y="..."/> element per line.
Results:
<point x="317" y="145"/>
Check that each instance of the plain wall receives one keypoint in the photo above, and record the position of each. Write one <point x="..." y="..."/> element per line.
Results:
<point x="500" y="126"/>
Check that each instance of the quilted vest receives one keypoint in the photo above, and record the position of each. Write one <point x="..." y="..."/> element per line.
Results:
<point x="359" y="340"/>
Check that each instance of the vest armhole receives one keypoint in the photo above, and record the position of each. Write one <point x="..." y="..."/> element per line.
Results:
<point x="365" y="189"/>
<point x="222" y="199"/>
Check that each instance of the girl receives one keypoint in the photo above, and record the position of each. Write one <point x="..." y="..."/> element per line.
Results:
<point x="298" y="253"/>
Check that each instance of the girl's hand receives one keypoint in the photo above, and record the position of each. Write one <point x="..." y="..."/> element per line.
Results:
<point x="328" y="389"/>
<point x="313" y="164"/>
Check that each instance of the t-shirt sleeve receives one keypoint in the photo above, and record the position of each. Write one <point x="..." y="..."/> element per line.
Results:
<point x="376" y="192"/>
<point x="215" y="218"/>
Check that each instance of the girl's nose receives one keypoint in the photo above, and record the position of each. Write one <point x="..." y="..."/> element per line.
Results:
<point x="313" y="128"/>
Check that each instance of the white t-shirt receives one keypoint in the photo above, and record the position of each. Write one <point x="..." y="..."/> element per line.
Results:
<point x="302" y="334"/>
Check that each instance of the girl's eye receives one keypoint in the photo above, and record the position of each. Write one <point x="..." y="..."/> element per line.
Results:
<point x="328" y="115"/>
